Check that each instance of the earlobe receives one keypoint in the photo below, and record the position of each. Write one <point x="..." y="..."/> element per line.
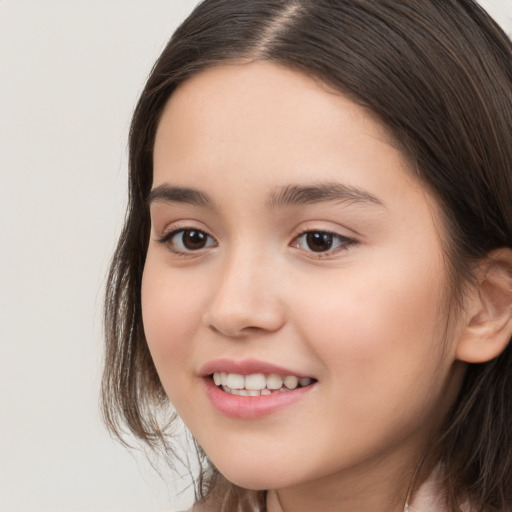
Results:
<point x="489" y="328"/>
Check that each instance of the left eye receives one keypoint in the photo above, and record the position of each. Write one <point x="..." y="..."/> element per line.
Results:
<point x="321" y="241"/>
<point x="188" y="240"/>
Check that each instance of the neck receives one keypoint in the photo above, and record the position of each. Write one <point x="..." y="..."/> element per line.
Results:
<point x="374" y="487"/>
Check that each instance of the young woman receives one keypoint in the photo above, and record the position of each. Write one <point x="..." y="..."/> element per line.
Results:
<point x="315" y="268"/>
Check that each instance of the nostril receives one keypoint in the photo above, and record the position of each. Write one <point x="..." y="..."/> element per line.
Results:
<point x="238" y="325"/>
<point x="233" y="328"/>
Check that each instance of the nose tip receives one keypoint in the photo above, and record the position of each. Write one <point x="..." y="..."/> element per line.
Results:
<point x="234" y="321"/>
<point x="244" y="303"/>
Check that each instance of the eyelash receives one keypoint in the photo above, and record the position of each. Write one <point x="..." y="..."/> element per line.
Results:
<point x="343" y="242"/>
<point x="167" y="240"/>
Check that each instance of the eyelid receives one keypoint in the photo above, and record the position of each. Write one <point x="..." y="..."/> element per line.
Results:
<point x="166" y="230"/>
<point x="346" y="242"/>
<point x="174" y="229"/>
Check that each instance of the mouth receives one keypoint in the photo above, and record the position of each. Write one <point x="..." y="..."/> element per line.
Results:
<point x="251" y="389"/>
<point x="258" y="384"/>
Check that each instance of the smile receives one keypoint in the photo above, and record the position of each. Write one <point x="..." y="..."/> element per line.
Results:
<point x="255" y="395"/>
<point x="251" y="389"/>
<point x="258" y="384"/>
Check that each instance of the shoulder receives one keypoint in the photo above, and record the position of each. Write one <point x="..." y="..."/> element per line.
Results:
<point x="431" y="496"/>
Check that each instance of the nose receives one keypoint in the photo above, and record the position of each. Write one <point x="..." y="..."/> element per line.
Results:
<point x="246" y="299"/>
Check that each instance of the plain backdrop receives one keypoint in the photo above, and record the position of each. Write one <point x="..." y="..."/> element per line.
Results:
<point x="70" y="74"/>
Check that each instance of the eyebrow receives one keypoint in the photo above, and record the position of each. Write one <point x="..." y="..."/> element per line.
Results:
<point x="186" y="195"/>
<point x="289" y="195"/>
<point x="292" y="195"/>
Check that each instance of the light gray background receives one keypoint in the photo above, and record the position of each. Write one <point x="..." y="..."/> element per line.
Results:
<point x="70" y="74"/>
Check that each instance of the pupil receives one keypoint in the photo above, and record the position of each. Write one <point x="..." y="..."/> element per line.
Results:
<point x="194" y="240"/>
<point x="318" y="241"/>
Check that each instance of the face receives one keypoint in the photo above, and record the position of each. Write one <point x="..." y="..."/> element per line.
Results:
<point x="293" y="252"/>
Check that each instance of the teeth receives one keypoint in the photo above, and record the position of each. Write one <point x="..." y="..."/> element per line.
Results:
<point x="235" y="381"/>
<point x="257" y="384"/>
<point x="274" y="382"/>
<point x="291" y="382"/>
<point x="256" y="381"/>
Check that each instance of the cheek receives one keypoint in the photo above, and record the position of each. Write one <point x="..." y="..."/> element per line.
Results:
<point x="378" y="330"/>
<point x="171" y="313"/>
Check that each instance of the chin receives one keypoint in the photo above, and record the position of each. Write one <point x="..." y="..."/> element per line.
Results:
<point x="259" y="477"/>
<point x="253" y="482"/>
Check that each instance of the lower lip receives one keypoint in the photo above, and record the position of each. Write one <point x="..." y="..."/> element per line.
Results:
<point x="250" y="407"/>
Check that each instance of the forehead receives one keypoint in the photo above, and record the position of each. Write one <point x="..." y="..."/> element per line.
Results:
<point x="232" y="93"/>
<point x="278" y="107"/>
<point x="260" y="125"/>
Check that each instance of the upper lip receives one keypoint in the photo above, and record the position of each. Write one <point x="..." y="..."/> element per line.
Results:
<point x="246" y="367"/>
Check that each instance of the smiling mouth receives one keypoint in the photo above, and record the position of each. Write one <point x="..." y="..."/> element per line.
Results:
<point x="258" y="384"/>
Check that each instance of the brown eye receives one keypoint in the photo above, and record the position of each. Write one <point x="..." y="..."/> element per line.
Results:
<point x="189" y="240"/>
<point x="321" y="241"/>
<point x="318" y="241"/>
<point x="194" y="240"/>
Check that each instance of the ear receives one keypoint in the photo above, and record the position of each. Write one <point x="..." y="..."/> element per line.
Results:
<point x="489" y="328"/>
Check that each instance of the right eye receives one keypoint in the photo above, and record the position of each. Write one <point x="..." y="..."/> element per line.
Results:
<point x="187" y="241"/>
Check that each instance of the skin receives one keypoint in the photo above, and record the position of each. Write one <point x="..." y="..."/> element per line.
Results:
<point x="367" y="319"/>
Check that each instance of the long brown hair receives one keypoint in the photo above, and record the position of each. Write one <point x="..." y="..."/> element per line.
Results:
<point x="438" y="74"/>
